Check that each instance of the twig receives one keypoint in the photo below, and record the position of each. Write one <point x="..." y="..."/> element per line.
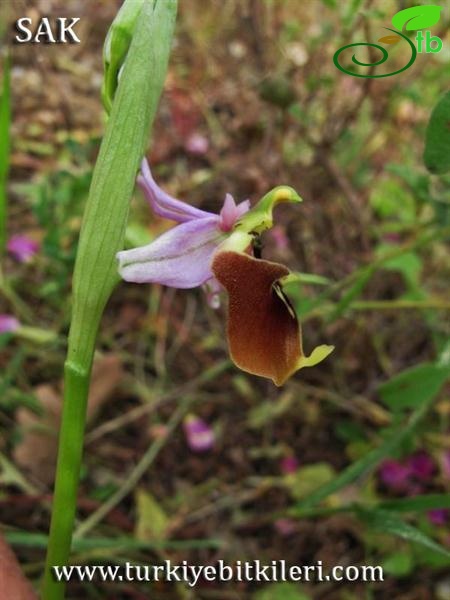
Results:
<point x="136" y="473"/>
<point x="142" y="390"/>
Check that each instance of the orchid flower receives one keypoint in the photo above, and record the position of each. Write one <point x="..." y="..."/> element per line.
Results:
<point x="216" y="249"/>
<point x="180" y="257"/>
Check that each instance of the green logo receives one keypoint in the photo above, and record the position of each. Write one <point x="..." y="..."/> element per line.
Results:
<point x="411" y="19"/>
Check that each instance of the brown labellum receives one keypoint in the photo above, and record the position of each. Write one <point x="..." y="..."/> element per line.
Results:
<point x="263" y="330"/>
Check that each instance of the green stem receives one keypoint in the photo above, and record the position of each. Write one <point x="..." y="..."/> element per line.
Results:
<point x="69" y="461"/>
<point x="400" y="304"/>
<point x="102" y="236"/>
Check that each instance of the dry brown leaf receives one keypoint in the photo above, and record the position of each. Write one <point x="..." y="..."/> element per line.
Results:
<point x="13" y="584"/>
<point x="36" y="452"/>
<point x="106" y="376"/>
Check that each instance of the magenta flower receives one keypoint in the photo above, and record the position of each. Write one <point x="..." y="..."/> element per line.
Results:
<point x="422" y="466"/>
<point x="445" y="464"/>
<point x="438" y="516"/>
<point x="216" y="250"/>
<point x="395" y="475"/>
<point x="22" y="248"/>
<point x="197" y="144"/>
<point x="410" y="475"/>
<point x="8" y="323"/>
<point x="286" y="527"/>
<point x="199" y="435"/>
<point x="289" y="464"/>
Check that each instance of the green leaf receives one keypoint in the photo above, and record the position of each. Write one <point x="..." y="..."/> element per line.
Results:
<point x="417" y="17"/>
<point x="437" y="140"/>
<point x="418" y="182"/>
<point x="349" y="431"/>
<point x="36" y="335"/>
<point x="415" y="386"/>
<point x="399" y="564"/>
<point x="408" y="264"/>
<point x="387" y="522"/>
<point x="307" y="479"/>
<point x="267" y="411"/>
<point x="355" y="290"/>
<point x="367" y="463"/>
<point x="10" y="475"/>
<point x="152" y="522"/>
<point x="278" y="91"/>
<point x="126" y="137"/>
<point x="280" y="591"/>
<point x="423" y="502"/>
<point x="389" y="199"/>
<point x="305" y="278"/>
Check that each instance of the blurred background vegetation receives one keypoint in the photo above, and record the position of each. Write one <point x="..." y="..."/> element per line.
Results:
<point x="349" y="462"/>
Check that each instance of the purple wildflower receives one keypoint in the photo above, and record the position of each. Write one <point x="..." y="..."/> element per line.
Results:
<point x="22" y="248"/>
<point x="422" y="466"/>
<point x="8" y="323"/>
<point x="285" y="527"/>
<point x="289" y="464"/>
<point x="199" y="435"/>
<point x="180" y="257"/>
<point x="438" y="516"/>
<point x="445" y="464"/>
<point x="197" y="144"/>
<point x="395" y="475"/>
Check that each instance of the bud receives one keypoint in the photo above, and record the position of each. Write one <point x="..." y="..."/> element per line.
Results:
<point x="116" y="47"/>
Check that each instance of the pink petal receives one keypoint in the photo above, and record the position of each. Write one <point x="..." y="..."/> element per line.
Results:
<point x="199" y="435"/>
<point x="289" y="464"/>
<point x="445" y="464"/>
<point x="197" y="144"/>
<point x="178" y="258"/>
<point x="230" y="213"/>
<point x="395" y="475"/>
<point x="242" y="208"/>
<point x="438" y="516"/>
<point x="212" y="290"/>
<point x="164" y="205"/>
<point x="22" y="248"/>
<point x="8" y="323"/>
<point x="422" y="465"/>
<point x="285" y="527"/>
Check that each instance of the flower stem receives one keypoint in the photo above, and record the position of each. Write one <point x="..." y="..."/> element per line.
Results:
<point x="102" y="236"/>
<point x="76" y="382"/>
